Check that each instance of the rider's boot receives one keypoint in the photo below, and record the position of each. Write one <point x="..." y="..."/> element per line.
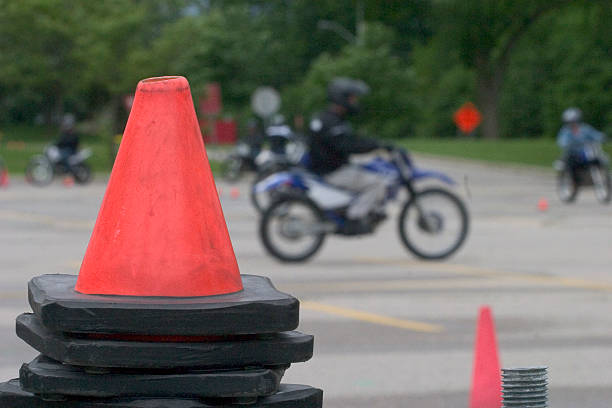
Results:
<point x="377" y="216"/>
<point x="356" y="227"/>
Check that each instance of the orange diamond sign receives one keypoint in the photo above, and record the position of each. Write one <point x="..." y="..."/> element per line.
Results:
<point x="467" y="118"/>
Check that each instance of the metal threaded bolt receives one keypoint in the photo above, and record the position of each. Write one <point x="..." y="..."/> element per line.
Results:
<point x="525" y="387"/>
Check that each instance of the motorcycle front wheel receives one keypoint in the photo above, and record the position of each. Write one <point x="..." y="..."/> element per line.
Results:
<point x="39" y="171"/>
<point x="291" y="229"/>
<point x="433" y="224"/>
<point x="567" y="190"/>
<point x="601" y="183"/>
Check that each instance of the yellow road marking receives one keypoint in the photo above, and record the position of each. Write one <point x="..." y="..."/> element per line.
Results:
<point x="493" y="273"/>
<point x="372" y="317"/>
<point x="13" y="295"/>
<point x="398" y="285"/>
<point x="45" y="220"/>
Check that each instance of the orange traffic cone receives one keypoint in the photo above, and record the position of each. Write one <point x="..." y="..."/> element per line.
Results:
<point x="68" y="181"/>
<point x="235" y="193"/>
<point x="543" y="204"/>
<point x="160" y="230"/>
<point x="4" y="178"/>
<point x="486" y="377"/>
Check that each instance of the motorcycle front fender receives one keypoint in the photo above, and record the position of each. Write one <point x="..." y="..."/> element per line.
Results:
<point x="272" y="182"/>
<point x="432" y="174"/>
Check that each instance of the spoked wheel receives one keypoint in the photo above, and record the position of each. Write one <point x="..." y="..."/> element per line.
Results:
<point x="292" y="229"/>
<point x="39" y="171"/>
<point x="82" y="173"/>
<point x="231" y="169"/>
<point x="601" y="183"/>
<point x="433" y="224"/>
<point x="567" y="190"/>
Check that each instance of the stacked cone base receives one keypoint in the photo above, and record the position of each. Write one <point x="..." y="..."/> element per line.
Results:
<point x="288" y="396"/>
<point x="257" y="350"/>
<point x="44" y="376"/>
<point x="193" y="352"/>
<point x="62" y="309"/>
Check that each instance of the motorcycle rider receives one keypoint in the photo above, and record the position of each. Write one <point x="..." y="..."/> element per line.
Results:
<point x="573" y="137"/>
<point x="68" y="142"/>
<point x="333" y="141"/>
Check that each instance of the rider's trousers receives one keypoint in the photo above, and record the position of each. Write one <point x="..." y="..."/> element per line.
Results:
<point x="369" y="186"/>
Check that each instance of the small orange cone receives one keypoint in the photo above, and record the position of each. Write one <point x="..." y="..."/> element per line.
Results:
<point x="486" y="376"/>
<point x="235" y="193"/>
<point x="4" y="178"/>
<point x="68" y="181"/>
<point x="160" y="230"/>
<point x="543" y="204"/>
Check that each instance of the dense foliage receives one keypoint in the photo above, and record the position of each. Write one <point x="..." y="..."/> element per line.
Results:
<point x="521" y="62"/>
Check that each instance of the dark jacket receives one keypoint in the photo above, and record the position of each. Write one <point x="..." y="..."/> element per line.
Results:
<point x="68" y="141"/>
<point x="332" y="141"/>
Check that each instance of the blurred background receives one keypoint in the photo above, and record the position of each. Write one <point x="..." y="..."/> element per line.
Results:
<point x="520" y="62"/>
<point x="391" y="330"/>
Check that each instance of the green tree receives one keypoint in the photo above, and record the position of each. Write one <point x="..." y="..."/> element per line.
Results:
<point x="81" y="55"/>
<point x="389" y="111"/>
<point x="486" y="33"/>
<point x="37" y="61"/>
<point x="564" y="60"/>
<point x="443" y="84"/>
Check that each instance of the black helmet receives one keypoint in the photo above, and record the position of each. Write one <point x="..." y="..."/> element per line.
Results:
<point x="68" y="122"/>
<point x="340" y="90"/>
<point x="572" y="115"/>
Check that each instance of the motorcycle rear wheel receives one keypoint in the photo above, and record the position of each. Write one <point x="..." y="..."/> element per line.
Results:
<point x="602" y="183"/>
<point x="82" y="173"/>
<point x="39" y="171"/>
<point x="281" y="226"/>
<point x="433" y="216"/>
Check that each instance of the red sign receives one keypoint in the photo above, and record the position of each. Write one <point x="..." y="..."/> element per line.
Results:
<point x="467" y="118"/>
<point x="225" y="130"/>
<point x="222" y="131"/>
<point x="210" y="103"/>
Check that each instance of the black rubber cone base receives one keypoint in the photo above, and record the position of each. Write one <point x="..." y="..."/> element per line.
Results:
<point x="259" y="308"/>
<point x="48" y="377"/>
<point x="257" y="350"/>
<point x="288" y="396"/>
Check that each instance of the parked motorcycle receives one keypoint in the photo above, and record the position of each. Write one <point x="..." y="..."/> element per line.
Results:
<point x="285" y="149"/>
<point x="42" y="168"/>
<point x="240" y="160"/>
<point x="592" y="170"/>
<point x="433" y="222"/>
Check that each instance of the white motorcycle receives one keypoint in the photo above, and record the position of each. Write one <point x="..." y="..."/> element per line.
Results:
<point x="44" y="167"/>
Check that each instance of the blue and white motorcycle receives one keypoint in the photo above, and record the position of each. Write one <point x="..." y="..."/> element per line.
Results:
<point x="304" y="209"/>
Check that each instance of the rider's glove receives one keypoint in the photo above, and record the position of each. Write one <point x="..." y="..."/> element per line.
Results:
<point x="388" y="147"/>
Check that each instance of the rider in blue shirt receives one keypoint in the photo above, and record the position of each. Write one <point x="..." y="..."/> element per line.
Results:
<point x="573" y="137"/>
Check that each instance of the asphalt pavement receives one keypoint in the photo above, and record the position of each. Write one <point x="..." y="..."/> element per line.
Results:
<point x="390" y="330"/>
